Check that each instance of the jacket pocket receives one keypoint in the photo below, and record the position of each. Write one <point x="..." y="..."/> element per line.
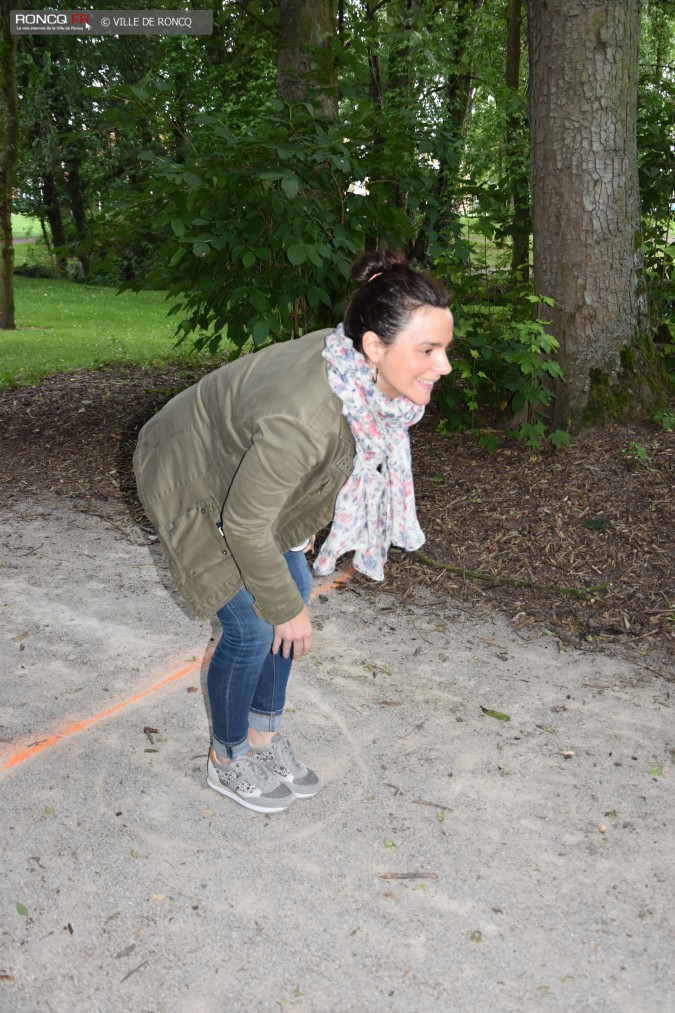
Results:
<point x="194" y="538"/>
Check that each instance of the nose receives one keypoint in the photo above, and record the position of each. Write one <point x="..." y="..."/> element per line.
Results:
<point x="444" y="366"/>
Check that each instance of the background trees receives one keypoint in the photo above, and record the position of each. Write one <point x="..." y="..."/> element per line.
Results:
<point x="243" y="171"/>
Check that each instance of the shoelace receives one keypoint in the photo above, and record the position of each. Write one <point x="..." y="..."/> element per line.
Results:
<point x="260" y="771"/>
<point x="287" y="753"/>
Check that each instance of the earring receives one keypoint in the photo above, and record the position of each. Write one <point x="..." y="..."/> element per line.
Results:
<point x="374" y="373"/>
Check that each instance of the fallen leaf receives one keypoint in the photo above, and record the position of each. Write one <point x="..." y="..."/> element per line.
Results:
<point x="192" y="689"/>
<point x="389" y="845"/>
<point x="495" y="714"/>
<point x="49" y="811"/>
<point x="7" y="977"/>
<point x="134" y="853"/>
<point x="476" y="936"/>
<point x="21" y="909"/>
<point x="595" y="523"/>
<point x="408" y="875"/>
<point x="158" y="896"/>
<point x="21" y="636"/>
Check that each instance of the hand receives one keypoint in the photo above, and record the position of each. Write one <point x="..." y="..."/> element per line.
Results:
<point x="296" y="634"/>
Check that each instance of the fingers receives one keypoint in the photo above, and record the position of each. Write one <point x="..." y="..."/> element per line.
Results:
<point x="295" y="636"/>
<point x="300" y="647"/>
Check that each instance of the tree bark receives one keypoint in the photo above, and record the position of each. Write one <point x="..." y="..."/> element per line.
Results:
<point x="8" y="161"/>
<point x="52" y="210"/>
<point x="304" y="25"/>
<point x="585" y="203"/>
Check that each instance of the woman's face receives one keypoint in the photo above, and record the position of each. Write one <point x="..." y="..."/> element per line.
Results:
<point x="418" y="357"/>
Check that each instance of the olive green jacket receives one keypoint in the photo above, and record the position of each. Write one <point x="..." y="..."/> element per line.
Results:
<point x="239" y="468"/>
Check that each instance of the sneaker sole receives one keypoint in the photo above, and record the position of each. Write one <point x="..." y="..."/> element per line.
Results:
<point x="274" y="808"/>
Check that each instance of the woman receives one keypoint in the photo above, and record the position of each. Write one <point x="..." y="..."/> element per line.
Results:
<point x="238" y="472"/>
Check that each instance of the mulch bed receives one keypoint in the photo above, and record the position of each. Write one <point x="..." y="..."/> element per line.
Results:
<point x="587" y="517"/>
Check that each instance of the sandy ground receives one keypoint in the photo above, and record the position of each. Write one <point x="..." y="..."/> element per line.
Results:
<point x="454" y="861"/>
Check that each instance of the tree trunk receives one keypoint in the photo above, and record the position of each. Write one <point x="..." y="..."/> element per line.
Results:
<point x="77" y="208"/>
<point x="303" y="25"/>
<point x="52" y="209"/>
<point x="585" y="204"/>
<point x="8" y="161"/>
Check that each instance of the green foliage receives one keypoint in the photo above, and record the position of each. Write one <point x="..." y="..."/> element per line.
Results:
<point x="656" y="137"/>
<point x="666" y="418"/>
<point x="502" y="358"/>
<point x="261" y="229"/>
<point x="635" y="453"/>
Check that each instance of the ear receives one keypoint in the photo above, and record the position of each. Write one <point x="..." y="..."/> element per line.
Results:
<point x="372" y="347"/>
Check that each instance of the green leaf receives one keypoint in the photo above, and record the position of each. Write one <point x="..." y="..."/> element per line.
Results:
<point x="260" y="332"/>
<point x="560" y="438"/>
<point x="248" y="260"/>
<point x="296" y="254"/>
<point x="497" y="715"/>
<point x="178" y="256"/>
<point x="290" y="185"/>
<point x="489" y="442"/>
<point x="21" y="909"/>
<point x="389" y="845"/>
<point x="178" y="226"/>
<point x="595" y="523"/>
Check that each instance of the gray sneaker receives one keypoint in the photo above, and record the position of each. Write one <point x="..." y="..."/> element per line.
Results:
<point x="250" y="783"/>
<point x="279" y="758"/>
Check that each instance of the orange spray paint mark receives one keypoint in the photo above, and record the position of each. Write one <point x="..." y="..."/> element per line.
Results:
<point x="79" y="726"/>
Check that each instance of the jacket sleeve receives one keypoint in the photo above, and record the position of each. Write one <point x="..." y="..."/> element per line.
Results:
<point x="281" y="454"/>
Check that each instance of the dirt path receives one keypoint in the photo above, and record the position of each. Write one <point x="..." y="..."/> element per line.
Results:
<point x="454" y="861"/>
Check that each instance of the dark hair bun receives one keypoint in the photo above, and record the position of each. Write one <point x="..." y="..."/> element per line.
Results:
<point x="368" y="264"/>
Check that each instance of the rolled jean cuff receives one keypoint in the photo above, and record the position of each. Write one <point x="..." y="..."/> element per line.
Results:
<point x="264" y="722"/>
<point x="232" y="752"/>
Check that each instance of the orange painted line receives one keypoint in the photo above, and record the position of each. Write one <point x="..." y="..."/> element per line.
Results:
<point x="341" y="578"/>
<point x="78" y="726"/>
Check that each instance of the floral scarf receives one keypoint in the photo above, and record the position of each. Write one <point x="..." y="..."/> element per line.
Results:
<point x="375" y="507"/>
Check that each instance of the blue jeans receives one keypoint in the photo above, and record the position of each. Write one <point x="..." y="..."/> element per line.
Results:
<point x="246" y="682"/>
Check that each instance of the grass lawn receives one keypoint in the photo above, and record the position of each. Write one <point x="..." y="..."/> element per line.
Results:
<point x="24" y="227"/>
<point x="62" y="326"/>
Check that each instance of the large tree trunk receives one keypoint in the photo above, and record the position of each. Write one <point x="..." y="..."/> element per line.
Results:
<point x="304" y="25"/>
<point x="8" y="160"/>
<point x="585" y="203"/>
